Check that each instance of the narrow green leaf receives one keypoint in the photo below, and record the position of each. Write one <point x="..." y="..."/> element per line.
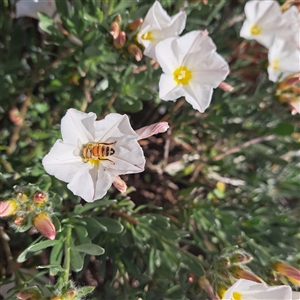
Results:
<point x="90" y="249"/>
<point x="112" y="225"/>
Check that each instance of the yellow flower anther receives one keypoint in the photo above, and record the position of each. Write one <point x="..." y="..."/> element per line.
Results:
<point x="147" y="36"/>
<point x="275" y="64"/>
<point x="255" y="30"/>
<point x="236" y="296"/>
<point x="182" y="75"/>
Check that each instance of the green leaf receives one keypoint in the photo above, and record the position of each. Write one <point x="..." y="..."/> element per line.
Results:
<point x="112" y="225"/>
<point x="92" y="51"/>
<point x="62" y="8"/>
<point x="34" y="248"/>
<point x="194" y="265"/>
<point x="90" y="249"/>
<point x="93" y="227"/>
<point x="84" y="291"/>
<point x="76" y="260"/>
<point x="283" y="129"/>
<point x="46" y="23"/>
<point x="89" y="206"/>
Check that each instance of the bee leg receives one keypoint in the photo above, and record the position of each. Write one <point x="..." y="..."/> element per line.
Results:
<point x="108" y="160"/>
<point x="108" y="143"/>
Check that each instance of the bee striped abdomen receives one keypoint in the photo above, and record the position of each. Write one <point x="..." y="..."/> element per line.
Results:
<point x="98" y="151"/>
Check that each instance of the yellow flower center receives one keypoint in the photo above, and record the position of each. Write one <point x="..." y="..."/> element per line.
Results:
<point x="147" y="36"/>
<point x="275" y="64"/>
<point x="236" y="296"/>
<point x="182" y="75"/>
<point x="255" y="30"/>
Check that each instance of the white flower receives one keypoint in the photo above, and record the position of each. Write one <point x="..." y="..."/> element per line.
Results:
<point x="191" y="67"/>
<point x="249" y="290"/>
<point x="30" y="8"/>
<point x="93" y="153"/>
<point x="157" y="26"/>
<point x="263" y="20"/>
<point x="284" y="59"/>
<point x="292" y="25"/>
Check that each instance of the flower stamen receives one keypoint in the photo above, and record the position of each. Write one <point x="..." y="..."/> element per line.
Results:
<point x="275" y="64"/>
<point x="182" y="75"/>
<point x="255" y="30"/>
<point x="147" y="36"/>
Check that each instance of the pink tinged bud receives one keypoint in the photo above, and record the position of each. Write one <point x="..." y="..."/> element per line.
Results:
<point x="292" y="274"/>
<point x="19" y="221"/>
<point x="43" y="224"/>
<point x="135" y="51"/>
<point x="241" y="273"/>
<point x="135" y="24"/>
<point x="120" y="41"/>
<point x="8" y="208"/>
<point x="150" y="130"/>
<point x="205" y="284"/>
<point x="225" y="87"/>
<point x="114" y="29"/>
<point x="120" y="184"/>
<point x="289" y="82"/>
<point x="29" y="294"/>
<point x="40" y="198"/>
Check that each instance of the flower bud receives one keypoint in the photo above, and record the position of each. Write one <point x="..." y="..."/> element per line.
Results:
<point x="150" y="130"/>
<point x="44" y="225"/>
<point x="120" y="41"/>
<point x="8" y="208"/>
<point x="205" y="285"/>
<point x="40" y="198"/>
<point x="19" y="221"/>
<point x="22" y="197"/>
<point x="224" y="262"/>
<point x="118" y="19"/>
<point x="134" y="25"/>
<point x="29" y="294"/>
<point x="135" y="51"/>
<point x="240" y="258"/>
<point x="120" y="184"/>
<point x="241" y="273"/>
<point x="114" y="29"/>
<point x="292" y="274"/>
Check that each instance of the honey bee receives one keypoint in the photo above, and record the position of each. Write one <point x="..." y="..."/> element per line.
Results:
<point x="98" y="151"/>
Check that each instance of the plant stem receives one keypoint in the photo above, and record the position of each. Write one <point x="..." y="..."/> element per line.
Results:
<point x="8" y="254"/>
<point x="67" y="261"/>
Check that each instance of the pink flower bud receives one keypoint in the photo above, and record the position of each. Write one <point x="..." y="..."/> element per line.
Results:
<point x="19" y="221"/>
<point x="150" y="130"/>
<point x="120" y="184"/>
<point x="120" y="41"/>
<point x="135" y="51"/>
<point x="43" y="224"/>
<point x="292" y="274"/>
<point x="29" y="294"/>
<point x="225" y="87"/>
<point x="8" y="208"/>
<point x="241" y="273"/>
<point x="134" y="25"/>
<point x="40" y="198"/>
<point x="115" y="29"/>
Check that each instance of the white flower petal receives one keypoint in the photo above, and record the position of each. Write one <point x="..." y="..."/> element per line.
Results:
<point x="61" y="161"/>
<point x="161" y="26"/>
<point x="169" y="89"/>
<point x="284" y="60"/>
<point x="267" y="16"/>
<point x="250" y="290"/>
<point x="91" y="182"/>
<point x="114" y="127"/>
<point x="199" y="96"/>
<point x="128" y="158"/>
<point x="76" y="125"/>
<point x="150" y="130"/>
<point x="30" y="8"/>
<point x="168" y="56"/>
